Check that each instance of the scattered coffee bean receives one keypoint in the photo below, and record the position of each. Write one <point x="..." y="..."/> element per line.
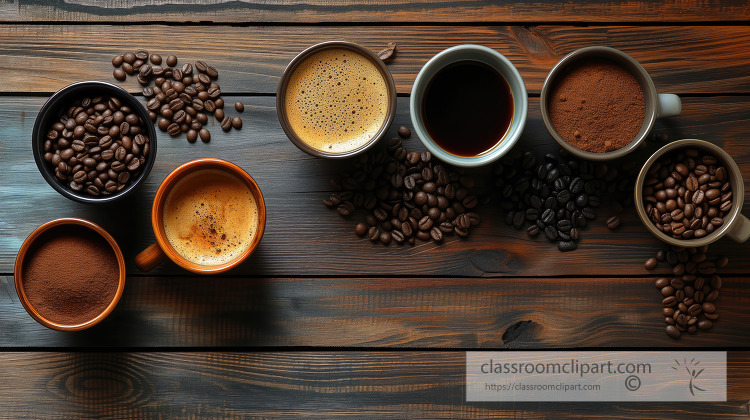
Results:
<point x="119" y="74"/>
<point x="390" y="184"/>
<point x="613" y="222"/>
<point x="404" y="132"/>
<point x="688" y="298"/>
<point x="205" y="135"/>
<point x="651" y="263"/>
<point x="239" y="106"/>
<point x="177" y="95"/>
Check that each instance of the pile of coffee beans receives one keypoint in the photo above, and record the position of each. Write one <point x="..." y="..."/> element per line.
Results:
<point x="555" y="198"/>
<point x="687" y="193"/>
<point x="407" y="195"/>
<point x="97" y="146"/>
<point x="179" y="98"/>
<point x="688" y="297"/>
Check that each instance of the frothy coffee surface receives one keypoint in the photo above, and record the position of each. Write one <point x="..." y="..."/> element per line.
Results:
<point x="210" y="217"/>
<point x="336" y="100"/>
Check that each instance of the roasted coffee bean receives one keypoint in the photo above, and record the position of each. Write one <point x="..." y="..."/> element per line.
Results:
<point x="651" y="263"/>
<point x="205" y="135"/>
<point x="119" y="74"/>
<point x="404" y="132"/>
<point x="668" y="291"/>
<point x="613" y="222"/>
<point x="672" y="331"/>
<point x="550" y="232"/>
<point x="708" y="307"/>
<point x="174" y="129"/>
<point x="662" y="282"/>
<point x="566" y="246"/>
<point x="226" y="124"/>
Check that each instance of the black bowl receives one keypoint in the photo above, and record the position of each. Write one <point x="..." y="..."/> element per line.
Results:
<point x="50" y="113"/>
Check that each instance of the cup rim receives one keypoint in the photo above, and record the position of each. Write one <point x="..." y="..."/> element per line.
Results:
<point x="738" y="192"/>
<point x="157" y="212"/>
<point x="635" y="68"/>
<point x="284" y="83"/>
<point x="53" y="103"/>
<point x="436" y="63"/>
<point x="23" y="252"/>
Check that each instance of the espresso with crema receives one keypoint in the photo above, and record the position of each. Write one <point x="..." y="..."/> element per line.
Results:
<point x="336" y="100"/>
<point x="210" y="217"/>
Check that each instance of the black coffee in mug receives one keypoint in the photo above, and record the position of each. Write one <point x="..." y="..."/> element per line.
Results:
<point x="467" y="108"/>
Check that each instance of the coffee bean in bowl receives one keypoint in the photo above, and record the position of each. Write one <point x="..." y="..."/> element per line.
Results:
<point x="93" y="142"/>
<point x="689" y="194"/>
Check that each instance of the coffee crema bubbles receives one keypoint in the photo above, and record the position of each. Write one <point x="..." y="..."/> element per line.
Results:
<point x="336" y="100"/>
<point x="210" y="217"/>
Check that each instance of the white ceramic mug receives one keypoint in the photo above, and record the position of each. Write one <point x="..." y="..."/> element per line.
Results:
<point x="502" y="65"/>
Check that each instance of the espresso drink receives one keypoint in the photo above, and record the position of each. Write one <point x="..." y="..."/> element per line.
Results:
<point x="336" y="100"/>
<point x="467" y="108"/>
<point x="210" y="217"/>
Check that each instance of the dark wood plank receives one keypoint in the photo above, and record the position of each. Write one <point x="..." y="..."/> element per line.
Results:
<point x="294" y="384"/>
<point x="181" y="311"/>
<point x="305" y="238"/>
<point x="681" y="59"/>
<point x="360" y="11"/>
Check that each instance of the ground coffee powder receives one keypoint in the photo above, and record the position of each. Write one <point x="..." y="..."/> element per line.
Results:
<point x="70" y="275"/>
<point x="597" y="106"/>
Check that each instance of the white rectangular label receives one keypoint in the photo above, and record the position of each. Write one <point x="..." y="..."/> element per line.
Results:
<point x="596" y="376"/>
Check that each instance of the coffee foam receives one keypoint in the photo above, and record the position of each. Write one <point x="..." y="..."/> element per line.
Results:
<point x="210" y="217"/>
<point x="336" y="100"/>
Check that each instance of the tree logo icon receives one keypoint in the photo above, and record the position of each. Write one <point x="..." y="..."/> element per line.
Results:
<point x="691" y="367"/>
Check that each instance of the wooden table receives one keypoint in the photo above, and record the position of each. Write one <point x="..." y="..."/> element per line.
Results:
<point x="319" y="322"/>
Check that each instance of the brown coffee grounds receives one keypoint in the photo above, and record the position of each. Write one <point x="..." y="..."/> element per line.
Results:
<point x="597" y="106"/>
<point x="70" y="275"/>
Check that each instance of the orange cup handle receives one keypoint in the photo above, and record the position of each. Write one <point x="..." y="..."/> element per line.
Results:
<point x="150" y="257"/>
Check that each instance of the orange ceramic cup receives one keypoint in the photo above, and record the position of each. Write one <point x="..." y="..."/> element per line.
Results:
<point x="72" y="226"/>
<point x="208" y="216"/>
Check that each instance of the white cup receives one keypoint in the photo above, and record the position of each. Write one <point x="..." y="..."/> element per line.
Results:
<point x="502" y="65"/>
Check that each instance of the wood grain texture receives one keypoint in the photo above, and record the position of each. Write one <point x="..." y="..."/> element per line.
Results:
<point x="682" y="59"/>
<point x="312" y="11"/>
<point x="470" y="313"/>
<point x="304" y="238"/>
<point x="293" y="384"/>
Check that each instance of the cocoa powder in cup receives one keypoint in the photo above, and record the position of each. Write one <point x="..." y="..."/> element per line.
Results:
<point x="70" y="274"/>
<point x="597" y="105"/>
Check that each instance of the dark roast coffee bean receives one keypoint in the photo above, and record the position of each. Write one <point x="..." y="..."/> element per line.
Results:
<point x="613" y="222"/>
<point x="550" y="232"/>
<point x="651" y="263"/>
<point x="566" y="246"/>
<point x="662" y="282"/>
<point x="672" y="331"/>
<point x="404" y="132"/>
